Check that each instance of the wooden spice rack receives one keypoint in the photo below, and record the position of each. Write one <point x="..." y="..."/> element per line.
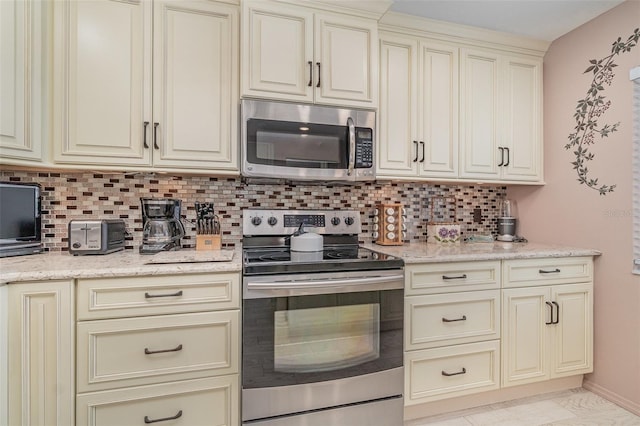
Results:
<point x="389" y="224"/>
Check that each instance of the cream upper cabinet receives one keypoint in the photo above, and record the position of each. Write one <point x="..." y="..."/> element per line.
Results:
<point x="41" y="384"/>
<point x="146" y="84"/>
<point x="298" y="54"/>
<point x="418" y="132"/>
<point x="21" y="86"/>
<point x="500" y="116"/>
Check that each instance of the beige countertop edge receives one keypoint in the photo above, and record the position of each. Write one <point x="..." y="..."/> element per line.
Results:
<point x="467" y="252"/>
<point x="62" y="266"/>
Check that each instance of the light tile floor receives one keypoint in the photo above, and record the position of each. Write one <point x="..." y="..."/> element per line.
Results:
<point x="575" y="407"/>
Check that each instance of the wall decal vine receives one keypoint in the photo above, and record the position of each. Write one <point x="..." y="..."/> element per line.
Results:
<point x="589" y="110"/>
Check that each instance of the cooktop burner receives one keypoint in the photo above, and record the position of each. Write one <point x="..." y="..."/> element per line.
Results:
<point x="331" y="259"/>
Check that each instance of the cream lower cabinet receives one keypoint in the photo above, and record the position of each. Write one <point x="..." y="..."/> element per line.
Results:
<point x="300" y="54"/>
<point x="22" y="88"/>
<point x="146" y="84"/>
<point x="547" y="329"/>
<point x="418" y="108"/>
<point x="161" y="348"/>
<point x="452" y="333"/>
<point x="41" y="356"/>
<point x="477" y="326"/>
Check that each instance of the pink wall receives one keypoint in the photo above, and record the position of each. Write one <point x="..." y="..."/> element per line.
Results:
<point x="568" y="213"/>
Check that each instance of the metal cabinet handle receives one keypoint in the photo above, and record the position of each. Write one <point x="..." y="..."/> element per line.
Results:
<point x="151" y="296"/>
<point x="416" y="159"/>
<point x="162" y="351"/>
<point x="422" y="145"/>
<point x="546" y="271"/>
<point x="144" y="134"/>
<point x="318" y="64"/>
<point x="508" y="157"/>
<point x="310" y="73"/>
<point x="551" y="306"/>
<point x="557" y="312"/>
<point x="463" y="318"/>
<point x="463" y="371"/>
<point x="155" y="135"/>
<point x="501" y="156"/>
<point x="459" y="277"/>
<point x="147" y="420"/>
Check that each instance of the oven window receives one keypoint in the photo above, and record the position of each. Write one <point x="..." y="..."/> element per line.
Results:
<point x="315" y="338"/>
<point x="291" y="144"/>
<point x="325" y="339"/>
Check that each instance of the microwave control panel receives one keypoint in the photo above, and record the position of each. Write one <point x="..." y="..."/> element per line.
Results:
<point x="364" y="148"/>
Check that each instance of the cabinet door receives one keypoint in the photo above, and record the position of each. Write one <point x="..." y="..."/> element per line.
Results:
<point x="195" y="85"/>
<point x="524" y="335"/>
<point x="21" y="83"/>
<point x="102" y="82"/>
<point x="397" y="141"/>
<point x="573" y="334"/>
<point x="522" y="119"/>
<point x="277" y="52"/>
<point x="438" y="106"/>
<point x="479" y="114"/>
<point x="41" y="356"/>
<point x="346" y="54"/>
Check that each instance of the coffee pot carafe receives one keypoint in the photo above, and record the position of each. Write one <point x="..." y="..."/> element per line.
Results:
<point x="507" y="220"/>
<point x="162" y="229"/>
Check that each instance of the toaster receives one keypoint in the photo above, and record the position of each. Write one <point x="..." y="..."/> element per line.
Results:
<point x="96" y="236"/>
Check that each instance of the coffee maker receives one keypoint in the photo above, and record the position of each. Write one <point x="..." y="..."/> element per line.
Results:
<point x="162" y="228"/>
<point x="507" y="219"/>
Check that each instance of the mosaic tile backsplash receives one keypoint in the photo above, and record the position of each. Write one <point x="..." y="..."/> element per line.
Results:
<point x="86" y="195"/>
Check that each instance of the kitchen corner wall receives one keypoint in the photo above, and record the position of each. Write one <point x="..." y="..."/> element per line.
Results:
<point x="566" y="212"/>
<point x="87" y="195"/>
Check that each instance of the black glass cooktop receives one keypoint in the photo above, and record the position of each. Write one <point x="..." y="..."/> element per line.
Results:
<point x="331" y="259"/>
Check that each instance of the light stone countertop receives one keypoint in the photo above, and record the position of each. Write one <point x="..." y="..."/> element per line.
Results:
<point x="432" y="253"/>
<point x="62" y="265"/>
<point x="59" y="266"/>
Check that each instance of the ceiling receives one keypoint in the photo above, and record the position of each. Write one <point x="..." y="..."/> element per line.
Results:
<point x="540" y="19"/>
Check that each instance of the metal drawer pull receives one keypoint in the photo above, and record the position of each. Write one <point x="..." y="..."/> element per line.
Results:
<point x="144" y="132"/>
<point x="147" y="420"/>
<point x="310" y="73"/>
<point x="459" y="277"/>
<point x="444" y="373"/>
<point x="464" y="318"/>
<point x="151" y="296"/>
<point x="176" y="349"/>
<point x="545" y="271"/>
<point x="557" y="312"/>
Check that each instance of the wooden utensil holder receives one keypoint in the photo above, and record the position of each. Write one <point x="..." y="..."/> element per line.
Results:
<point x="390" y="222"/>
<point x="208" y="242"/>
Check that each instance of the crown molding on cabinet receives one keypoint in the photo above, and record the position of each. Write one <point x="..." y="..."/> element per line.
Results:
<point x="373" y="9"/>
<point x="462" y="34"/>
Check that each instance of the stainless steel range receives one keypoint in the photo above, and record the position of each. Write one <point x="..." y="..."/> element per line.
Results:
<point x="322" y="331"/>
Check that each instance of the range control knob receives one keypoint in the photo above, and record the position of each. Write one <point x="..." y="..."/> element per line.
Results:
<point x="76" y="245"/>
<point x="348" y="220"/>
<point x="335" y="221"/>
<point x="256" y="221"/>
<point x="272" y="221"/>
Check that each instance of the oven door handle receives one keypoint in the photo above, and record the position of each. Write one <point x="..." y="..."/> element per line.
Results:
<point x="338" y="282"/>
<point x="352" y="145"/>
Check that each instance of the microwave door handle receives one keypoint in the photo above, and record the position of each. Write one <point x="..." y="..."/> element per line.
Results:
<point x="352" y="145"/>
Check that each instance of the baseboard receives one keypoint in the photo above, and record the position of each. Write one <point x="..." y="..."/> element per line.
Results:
<point x="623" y="402"/>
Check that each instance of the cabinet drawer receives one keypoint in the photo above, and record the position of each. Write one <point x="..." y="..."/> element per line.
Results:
<point x="451" y="318"/>
<point x="211" y="401"/>
<point x="451" y="277"/>
<point x="136" y="351"/>
<point x="528" y="272"/>
<point x="101" y="298"/>
<point x="440" y="373"/>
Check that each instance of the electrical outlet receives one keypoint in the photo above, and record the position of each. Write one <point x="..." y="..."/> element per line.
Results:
<point x="477" y="215"/>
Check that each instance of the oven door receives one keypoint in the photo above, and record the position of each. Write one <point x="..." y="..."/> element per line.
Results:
<point x="335" y="338"/>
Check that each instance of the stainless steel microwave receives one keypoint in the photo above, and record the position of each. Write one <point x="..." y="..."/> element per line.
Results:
<point x="307" y="142"/>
